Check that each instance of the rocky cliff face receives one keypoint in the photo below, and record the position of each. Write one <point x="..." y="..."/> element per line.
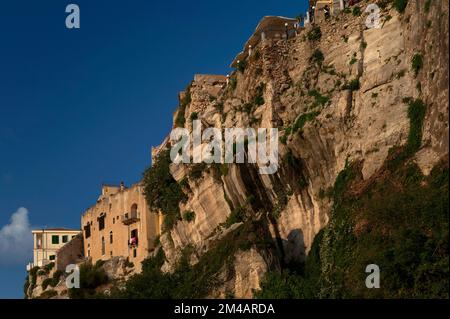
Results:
<point x="337" y="93"/>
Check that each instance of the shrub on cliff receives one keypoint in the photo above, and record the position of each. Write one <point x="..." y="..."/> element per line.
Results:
<point x="416" y="63"/>
<point x="317" y="57"/>
<point x="400" y="5"/>
<point x="91" y="277"/>
<point x="314" y="34"/>
<point x="162" y="191"/>
<point x="180" y="119"/>
<point x="189" y="216"/>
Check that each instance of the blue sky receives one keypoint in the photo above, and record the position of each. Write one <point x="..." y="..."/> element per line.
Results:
<point x="82" y="107"/>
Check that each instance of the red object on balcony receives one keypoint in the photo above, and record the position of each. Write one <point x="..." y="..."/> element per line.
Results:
<point x="133" y="241"/>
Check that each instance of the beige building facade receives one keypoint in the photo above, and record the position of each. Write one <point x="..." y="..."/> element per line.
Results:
<point x="120" y="224"/>
<point x="47" y="242"/>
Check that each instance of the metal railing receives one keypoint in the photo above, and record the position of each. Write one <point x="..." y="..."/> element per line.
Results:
<point x="129" y="218"/>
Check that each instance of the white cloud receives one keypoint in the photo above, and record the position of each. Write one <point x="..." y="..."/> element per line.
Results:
<point x="16" y="240"/>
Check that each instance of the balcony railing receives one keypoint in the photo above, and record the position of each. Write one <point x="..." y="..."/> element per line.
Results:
<point x="130" y="218"/>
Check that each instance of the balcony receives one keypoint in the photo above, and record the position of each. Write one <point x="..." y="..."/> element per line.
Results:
<point x="130" y="218"/>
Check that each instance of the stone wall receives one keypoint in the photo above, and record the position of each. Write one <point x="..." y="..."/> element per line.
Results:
<point x="70" y="253"/>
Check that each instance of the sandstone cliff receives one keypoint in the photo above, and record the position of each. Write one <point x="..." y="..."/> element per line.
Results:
<point x="337" y="93"/>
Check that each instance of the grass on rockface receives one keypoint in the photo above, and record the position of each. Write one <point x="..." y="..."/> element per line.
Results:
<point x="319" y="99"/>
<point x="180" y="119"/>
<point x="161" y="190"/>
<point x="397" y="220"/>
<point x="417" y="63"/>
<point x="303" y="119"/>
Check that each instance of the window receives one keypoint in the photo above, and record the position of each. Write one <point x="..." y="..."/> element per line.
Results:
<point x="101" y="222"/>
<point x="89" y="253"/>
<point x="114" y="220"/>
<point x="110" y="237"/>
<point x="134" y="238"/>
<point x="110" y="253"/>
<point x="55" y="239"/>
<point x="87" y="231"/>
<point x="52" y="257"/>
<point x="65" y="239"/>
<point x="73" y="236"/>
<point x="133" y="210"/>
<point x="103" y="245"/>
<point x="134" y="253"/>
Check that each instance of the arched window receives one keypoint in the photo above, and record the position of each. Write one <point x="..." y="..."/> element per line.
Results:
<point x="103" y="245"/>
<point x="134" y="210"/>
<point x="110" y="237"/>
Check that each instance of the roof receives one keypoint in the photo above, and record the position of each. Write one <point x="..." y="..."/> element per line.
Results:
<point x="265" y="24"/>
<point x="56" y="229"/>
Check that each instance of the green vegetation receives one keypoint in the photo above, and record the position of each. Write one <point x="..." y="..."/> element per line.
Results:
<point x="48" y="294"/>
<point x="196" y="171"/>
<point x="317" y="57"/>
<point x="416" y="115"/>
<point x="353" y="85"/>
<point x="193" y="281"/>
<point x="189" y="216"/>
<point x="284" y="285"/>
<point x="427" y="6"/>
<point x="314" y="34"/>
<point x="91" y="277"/>
<point x="233" y="83"/>
<point x="180" y="120"/>
<point x="162" y="191"/>
<point x="400" y="5"/>
<point x="238" y="215"/>
<point x="400" y="74"/>
<point x="241" y="66"/>
<point x="416" y="63"/>
<point x="353" y="60"/>
<point x="319" y="99"/>
<point x="194" y="116"/>
<point x="52" y="281"/>
<point x="303" y="119"/>
<point x="220" y="169"/>
<point x="399" y="222"/>
<point x="356" y="11"/>
<point x="259" y="99"/>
